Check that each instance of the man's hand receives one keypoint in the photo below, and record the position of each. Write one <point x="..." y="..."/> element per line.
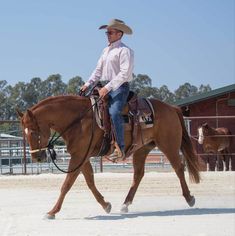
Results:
<point x="103" y="92"/>
<point x="84" y="88"/>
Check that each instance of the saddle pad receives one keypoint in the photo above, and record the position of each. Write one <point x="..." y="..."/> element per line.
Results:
<point x="145" y="120"/>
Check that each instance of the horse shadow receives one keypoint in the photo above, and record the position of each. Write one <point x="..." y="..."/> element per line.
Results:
<point x="180" y="212"/>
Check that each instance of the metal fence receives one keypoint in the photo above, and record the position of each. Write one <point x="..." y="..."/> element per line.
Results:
<point x="15" y="157"/>
<point x="213" y="161"/>
<point x="12" y="161"/>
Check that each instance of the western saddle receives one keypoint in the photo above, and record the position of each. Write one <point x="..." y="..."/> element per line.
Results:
<point x="138" y="114"/>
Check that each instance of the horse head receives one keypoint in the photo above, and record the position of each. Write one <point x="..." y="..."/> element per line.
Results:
<point x="203" y="131"/>
<point x="36" y="134"/>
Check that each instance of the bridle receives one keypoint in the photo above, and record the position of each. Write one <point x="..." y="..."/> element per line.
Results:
<point x="36" y="133"/>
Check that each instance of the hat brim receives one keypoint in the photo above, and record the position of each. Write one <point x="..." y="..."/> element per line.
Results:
<point x="124" y="28"/>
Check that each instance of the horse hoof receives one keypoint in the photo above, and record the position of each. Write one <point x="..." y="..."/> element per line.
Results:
<point x="124" y="208"/>
<point x="49" y="217"/>
<point x="191" y="203"/>
<point x="108" y="207"/>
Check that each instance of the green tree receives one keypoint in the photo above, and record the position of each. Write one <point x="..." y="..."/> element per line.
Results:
<point x="3" y="99"/>
<point x="17" y="97"/>
<point x="32" y="93"/>
<point x="140" y="82"/>
<point x="185" y="90"/>
<point x="74" y="85"/>
<point x="165" y="94"/>
<point x="204" y="88"/>
<point x="53" y="86"/>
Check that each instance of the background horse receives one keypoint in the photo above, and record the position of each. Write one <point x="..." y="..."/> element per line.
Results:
<point x="216" y="141"/>
<point x="84" y="139"/>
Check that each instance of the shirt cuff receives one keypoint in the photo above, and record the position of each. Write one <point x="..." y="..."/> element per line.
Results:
<point x="108" y="86"/>
<point x="87" y="84"/>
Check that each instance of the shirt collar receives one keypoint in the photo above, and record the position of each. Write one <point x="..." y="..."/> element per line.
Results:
<point x="115" y="44"/>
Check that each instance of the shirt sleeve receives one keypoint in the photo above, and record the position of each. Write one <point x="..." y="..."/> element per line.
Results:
<point x="97" y="73"/>
<point x="126" y="70"/>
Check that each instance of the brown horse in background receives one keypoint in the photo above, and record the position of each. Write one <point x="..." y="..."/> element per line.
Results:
<point x="168" y="134"/>
<point x="216" y="141"/>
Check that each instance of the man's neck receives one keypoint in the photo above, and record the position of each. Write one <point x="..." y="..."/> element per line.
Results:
<point x="114" y="42"/>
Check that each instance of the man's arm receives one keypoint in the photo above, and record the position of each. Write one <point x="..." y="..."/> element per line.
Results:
<point x="126" y="70"/>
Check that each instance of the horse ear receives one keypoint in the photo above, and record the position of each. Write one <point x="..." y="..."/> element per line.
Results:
<point x="205" y="125"/>
<point x="30" y="113"/>
<point x="19" y="113"/>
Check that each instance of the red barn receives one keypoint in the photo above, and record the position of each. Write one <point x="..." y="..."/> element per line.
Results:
<point x="216" y="103"/>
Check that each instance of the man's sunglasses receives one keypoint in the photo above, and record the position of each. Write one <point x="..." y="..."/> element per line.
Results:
<point x="113" y="32"/>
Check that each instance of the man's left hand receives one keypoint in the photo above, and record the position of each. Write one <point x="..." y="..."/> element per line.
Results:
<point x="103" y="92"/>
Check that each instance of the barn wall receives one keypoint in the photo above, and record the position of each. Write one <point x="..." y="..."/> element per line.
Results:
<point x="213" y="107"/>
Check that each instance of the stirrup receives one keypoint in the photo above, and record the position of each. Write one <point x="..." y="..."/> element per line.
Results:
<point x="117" y="154"/>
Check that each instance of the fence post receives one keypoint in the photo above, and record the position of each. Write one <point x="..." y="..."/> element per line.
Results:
<point x="101" y="164"/>
<point x="24" y="153"/>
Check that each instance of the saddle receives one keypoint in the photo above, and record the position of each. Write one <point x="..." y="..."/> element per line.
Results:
<point x="138" y="114"/>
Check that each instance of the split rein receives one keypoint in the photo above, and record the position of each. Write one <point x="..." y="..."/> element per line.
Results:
<point x="50" y="146"/>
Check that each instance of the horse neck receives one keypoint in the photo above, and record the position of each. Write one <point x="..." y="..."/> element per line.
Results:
<point x="212" y="131"/>
<point x="59" y="112"/>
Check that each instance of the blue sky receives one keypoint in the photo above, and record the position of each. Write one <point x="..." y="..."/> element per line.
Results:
<point x="175" y="41"/>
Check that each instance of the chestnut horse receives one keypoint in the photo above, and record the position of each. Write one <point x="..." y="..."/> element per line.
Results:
<point x="215" y="141"/>
<point x="57" y="113"/>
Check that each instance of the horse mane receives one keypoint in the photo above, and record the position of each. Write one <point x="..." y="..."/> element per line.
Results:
<point x="57" y="99"/>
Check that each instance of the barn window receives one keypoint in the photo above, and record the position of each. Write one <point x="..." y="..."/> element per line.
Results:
<point x="231" y="102"/>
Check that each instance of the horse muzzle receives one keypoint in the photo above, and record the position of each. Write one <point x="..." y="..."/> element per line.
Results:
<point x="40" y="156"/>
<point x="200" y="140"/>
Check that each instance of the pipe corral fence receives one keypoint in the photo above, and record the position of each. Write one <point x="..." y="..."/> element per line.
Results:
<point x="213" y="161"/>
<point x="15" y="157"/>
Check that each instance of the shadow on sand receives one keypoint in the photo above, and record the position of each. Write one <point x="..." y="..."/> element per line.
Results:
<point x="185" y="212"/>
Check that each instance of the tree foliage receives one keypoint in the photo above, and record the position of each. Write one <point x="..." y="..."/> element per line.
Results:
<point x="24" y="95"/>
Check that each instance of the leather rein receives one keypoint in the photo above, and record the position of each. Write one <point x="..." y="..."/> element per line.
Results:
<point x="54" y="138"/>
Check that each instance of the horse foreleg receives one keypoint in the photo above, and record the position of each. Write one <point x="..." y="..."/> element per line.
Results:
<point x="226" y="158"/>
<point x="68" y="183"/>
<point x="87" y="171"/>
<point x="139" y="158"/>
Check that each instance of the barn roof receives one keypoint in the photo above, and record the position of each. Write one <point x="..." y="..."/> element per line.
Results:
<point x="207" y="95"/>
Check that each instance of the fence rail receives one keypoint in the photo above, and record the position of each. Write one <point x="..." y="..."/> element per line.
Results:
<point x="17" y="160"/>
<point x="12" y="161"/>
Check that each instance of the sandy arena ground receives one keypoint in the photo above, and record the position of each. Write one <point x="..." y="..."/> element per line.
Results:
<point x="158" y="208"/>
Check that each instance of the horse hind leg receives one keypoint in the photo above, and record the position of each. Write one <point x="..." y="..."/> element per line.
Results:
<point x="178" y="166"/>
<point x="139" y="158"/>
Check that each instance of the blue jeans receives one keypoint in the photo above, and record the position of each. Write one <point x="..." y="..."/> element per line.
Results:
<point x="117" y="101"/>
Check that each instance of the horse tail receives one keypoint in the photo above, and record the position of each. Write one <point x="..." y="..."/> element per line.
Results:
<point x="188" y="151"/>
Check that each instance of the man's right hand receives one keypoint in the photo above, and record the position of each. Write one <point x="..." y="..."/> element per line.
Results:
<point x="84" y="88"/>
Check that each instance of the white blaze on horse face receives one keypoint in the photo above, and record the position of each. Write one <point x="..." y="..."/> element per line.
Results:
<point x="200" y="136"/>
<point x="26" y="130"/>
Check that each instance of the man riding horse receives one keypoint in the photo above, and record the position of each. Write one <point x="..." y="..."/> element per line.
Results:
<point x="116" y="66"/>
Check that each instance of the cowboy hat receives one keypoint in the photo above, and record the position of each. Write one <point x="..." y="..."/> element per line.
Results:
<point x="119" y="25"/>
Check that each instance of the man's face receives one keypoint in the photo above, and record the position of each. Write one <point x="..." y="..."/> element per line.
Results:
<point x="113" y="35"/>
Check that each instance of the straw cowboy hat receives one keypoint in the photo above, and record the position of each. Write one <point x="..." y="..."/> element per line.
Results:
<point x="119" y="25"/>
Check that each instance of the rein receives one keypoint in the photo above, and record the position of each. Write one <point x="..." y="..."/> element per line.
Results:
<point x="50" y="145"/>
<point x="53" y="139"/>
<point x="52" y="152"/>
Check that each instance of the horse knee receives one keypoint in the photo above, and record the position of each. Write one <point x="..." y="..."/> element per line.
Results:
<point x="139" y="175"/>
<point x="90" y="185"/>
<point x="66" y="187"/>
